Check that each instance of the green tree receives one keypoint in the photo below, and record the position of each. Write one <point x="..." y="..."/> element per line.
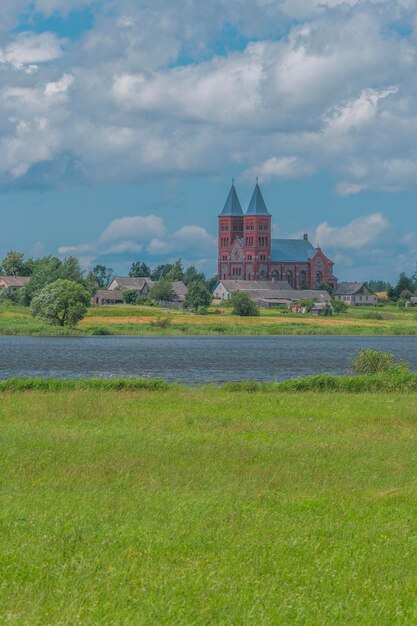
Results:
<point x="198" y="297"/>
<point x="138" y="269"/>
<point x="325" y="287"/>
<point x="99" y="277"/>
<point x="339" y="306"/>
<point x="242" y="305"/>
<point x="71" y="270"/>
<point x="176" y="272"/>
<point x="378" y="285"/>
<point x="162" y="291"/>
<point x="62" y="303"/>
<point x="191" y="275"/>
<point x="45" y="270"/>
<point x="211" y="283"/>
<point x="161" y="270"/>
<point x="14" y="264"/>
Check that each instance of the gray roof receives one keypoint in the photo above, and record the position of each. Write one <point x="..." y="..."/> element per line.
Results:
<point x="255" y="285"/>
<point x="125" y="282"/>
<point x="269" y="290"/>
<point x="300" y="250"/>
<point x="14" y="281"/>
<point x="109" y="294"/>
<point x="257" y="204"/>
<point x="232" y="206"/>
<point x="350" y="289"/>
<point x="179" y="288"/>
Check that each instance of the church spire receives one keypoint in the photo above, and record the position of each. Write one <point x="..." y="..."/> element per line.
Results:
<point x="232" y="206"/>
<point x="257" y="204"/>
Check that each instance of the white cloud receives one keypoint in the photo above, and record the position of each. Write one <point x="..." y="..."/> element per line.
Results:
<point x="30" y="49"/>
<point x="280" y="167"/>
<point x="132" y="235"/>
<point x="358" y="234"/>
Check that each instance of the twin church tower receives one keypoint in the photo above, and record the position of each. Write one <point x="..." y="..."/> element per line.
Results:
<point x="247" y="250"/>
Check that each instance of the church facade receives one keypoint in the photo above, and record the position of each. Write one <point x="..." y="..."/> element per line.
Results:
<point x="247" y="251"/>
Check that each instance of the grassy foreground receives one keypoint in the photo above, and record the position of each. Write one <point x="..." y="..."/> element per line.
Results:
<point x="146" y="320"/>
<point x="207" y="506"/>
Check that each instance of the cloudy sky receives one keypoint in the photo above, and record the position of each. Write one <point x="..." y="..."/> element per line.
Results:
<point x="122" y="123"/>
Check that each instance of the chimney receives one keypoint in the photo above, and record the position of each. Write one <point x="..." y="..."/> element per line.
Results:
<point x="305" y="237"/>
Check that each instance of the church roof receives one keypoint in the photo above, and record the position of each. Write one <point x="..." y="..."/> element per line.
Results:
<point x="291" y="250"/>
<point x="232" y="206"/>
<point x="257" y="204"/>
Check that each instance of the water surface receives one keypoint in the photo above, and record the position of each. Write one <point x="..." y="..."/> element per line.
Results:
<point x="190" y="360"/>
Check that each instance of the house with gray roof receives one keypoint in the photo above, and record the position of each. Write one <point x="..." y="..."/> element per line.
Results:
<point x="355" y="294"/>
<point x="125" y="283"/>
<point x="107" y="296"/>
<point x="268" y="293"/>
<point x="13" y="282"/>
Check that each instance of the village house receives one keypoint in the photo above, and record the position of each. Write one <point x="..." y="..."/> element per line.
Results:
<point x="267" y="293"/>
<point x="13" y="282"/>
<point x="107" y="296"/>
<point x="141" y="285"/>
<point x="355" y="294"/>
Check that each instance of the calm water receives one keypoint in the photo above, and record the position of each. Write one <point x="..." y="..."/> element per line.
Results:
<point x="190" y="360"/>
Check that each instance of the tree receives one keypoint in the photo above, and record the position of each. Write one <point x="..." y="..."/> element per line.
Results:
<point x="378" y="285"/>
<point x="242" y="305"/>
<point x="14" y="264"/>
<point x="191" y="275"/>
<point x="71" y="270"/>
<point x="404" y="284"/>
<point x="162" y="291"/>
<point x="325" y="287"/>
<point x="176" y="272"/>
<point x="211" y="283"/>
<point x="198" y="296"/>
<point x="339" y="306"/>
<point x="161" y="270"/>
<point x="138" y="269"/>
<point x="49" y="269"/>
<point x="99" y="277"/>
<point x="62" y="303"/>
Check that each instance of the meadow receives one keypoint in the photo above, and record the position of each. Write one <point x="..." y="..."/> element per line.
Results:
<point x="167" y="505"/>
<point x="147" y="320"/>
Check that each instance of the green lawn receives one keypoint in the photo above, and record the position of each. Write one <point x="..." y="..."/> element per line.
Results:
<point x="145" y="320"/>
<point x="206" y="506"/>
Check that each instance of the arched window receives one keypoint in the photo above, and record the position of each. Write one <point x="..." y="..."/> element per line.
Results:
<point x="290" y="278"/>
<point x="319" y="278"/>
<point x="303" y="278"/>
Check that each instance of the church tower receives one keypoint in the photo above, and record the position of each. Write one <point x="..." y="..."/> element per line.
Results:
<point x="230" y="238"/>
<point x="257" y="238"/>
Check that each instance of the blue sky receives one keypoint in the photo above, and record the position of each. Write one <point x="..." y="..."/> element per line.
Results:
<point x="123" y="122"/>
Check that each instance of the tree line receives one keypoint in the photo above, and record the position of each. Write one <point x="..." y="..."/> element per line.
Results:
<point x="59" y="291"/>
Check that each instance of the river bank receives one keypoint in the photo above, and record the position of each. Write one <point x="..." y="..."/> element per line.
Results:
<point x="153" y="321"/>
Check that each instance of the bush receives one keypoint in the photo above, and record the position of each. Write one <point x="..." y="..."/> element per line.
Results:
<point x="339" y="306"/>
<point x="242" y="305"/>
<point x="161" y="322"/>
<point x="374" y="362"/>
<point x="100" y="331"/>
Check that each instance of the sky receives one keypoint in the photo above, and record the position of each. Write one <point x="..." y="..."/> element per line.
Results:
<point x="122" y="123"/>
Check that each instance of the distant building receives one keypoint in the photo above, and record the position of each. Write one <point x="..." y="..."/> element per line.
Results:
<point x="247" y="251"/>
<point x="13" y="282"/>
<point x="141" y="285"/>
<point x="267" y="293"/>
<point x="321" y="308"/>
<point x="107" y="296"/>
<point x="355" y="294"/>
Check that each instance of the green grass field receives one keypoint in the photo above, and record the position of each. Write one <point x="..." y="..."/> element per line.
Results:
<point x="208" y="506"/>
<point x="145" y="320"/>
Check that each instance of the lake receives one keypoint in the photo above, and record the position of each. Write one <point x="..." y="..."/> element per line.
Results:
<point x="190" y="360"/>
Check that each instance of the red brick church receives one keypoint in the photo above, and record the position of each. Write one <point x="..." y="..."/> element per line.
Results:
<point x="248" y="252"/>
